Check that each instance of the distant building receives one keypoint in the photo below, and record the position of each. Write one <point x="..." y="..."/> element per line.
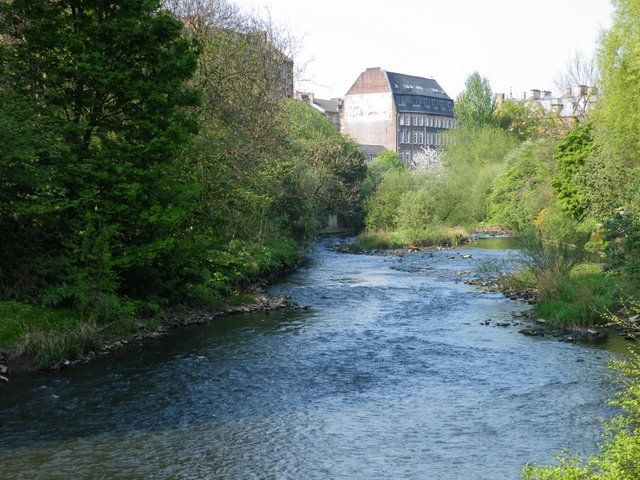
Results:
<point x="573" y="105"/>
<point x="403" y="113"/>
<point x="371" y="151"/>
<point x="329" y="108"/>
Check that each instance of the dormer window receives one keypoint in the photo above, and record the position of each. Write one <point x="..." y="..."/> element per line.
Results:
<point x="401" y="101"/>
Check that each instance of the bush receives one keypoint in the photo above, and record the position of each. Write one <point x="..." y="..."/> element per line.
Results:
<point x="554" y="244"/>
<point x="434" y="235"/>
<point x="523" y="189"/>
<point x="472" y="162"/>
<point x="622" y="240"/>
<point x="368" y="241"/>
<point x="581" y="298"/>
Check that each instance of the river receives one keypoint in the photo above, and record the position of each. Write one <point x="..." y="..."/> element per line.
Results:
<point x="390" y="374"/>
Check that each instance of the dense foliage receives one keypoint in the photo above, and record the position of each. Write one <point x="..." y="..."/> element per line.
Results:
<point x="148" y="163"/>
<point x="475" y="106"/>
<point x="93" y="96"/>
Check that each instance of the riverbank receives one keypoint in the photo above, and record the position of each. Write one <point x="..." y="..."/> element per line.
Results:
<point x="625" y="323"/>
<point x="14" y="361"/>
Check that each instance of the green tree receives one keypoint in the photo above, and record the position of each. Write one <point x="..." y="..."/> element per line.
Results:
<point x="521" y="119"/>
<point x="382" y="207"/>
<point x="325" y="171"/>
<point x="571" y="154"/>
<point x="475" y="105"/>
<point x="103" y="83"/>
<point x="473" y="160"/>
<point x="523" y="189"/>
<point x="607" y="174"/>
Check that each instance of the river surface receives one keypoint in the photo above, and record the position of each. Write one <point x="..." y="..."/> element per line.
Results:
<point x="390" y="374"/>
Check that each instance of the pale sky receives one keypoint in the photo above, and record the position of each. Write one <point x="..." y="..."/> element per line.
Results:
<point x="518" y="45"/>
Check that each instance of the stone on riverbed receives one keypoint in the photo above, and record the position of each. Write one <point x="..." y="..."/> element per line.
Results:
<point x="532" y="332"/>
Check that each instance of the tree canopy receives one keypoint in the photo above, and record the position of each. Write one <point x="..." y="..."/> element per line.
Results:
<point x="475" y="105"/>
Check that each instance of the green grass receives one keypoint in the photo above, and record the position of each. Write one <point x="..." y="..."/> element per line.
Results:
<point x="16" y="318"/>
<point x="50" y="347"/>
<point x="368" y="241"/>
<point x="45" y="335"/>
<point x="433" y="236"/>
<point x="578" y="299"/>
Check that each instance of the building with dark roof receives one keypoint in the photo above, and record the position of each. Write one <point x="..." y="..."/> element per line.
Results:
<point x="402" y="112"/>
<point x="329" y="108"/>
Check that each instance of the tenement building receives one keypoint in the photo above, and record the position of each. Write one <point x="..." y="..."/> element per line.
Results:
<point x="401" y="112"/>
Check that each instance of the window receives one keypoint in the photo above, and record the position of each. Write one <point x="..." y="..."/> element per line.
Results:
<point x="401" y="119"/>
<point x="421" y="138"/>
<point x="450" y="105"/>
<point x="421" y="121"/>
<point x="401" y="101"/>
<point x="415" y="138"/>
<point x="427" y="103"/>
<point x="415" y="120"/>
<point x="416" y="101"/>
<point x="434" y="103"/>
<point x="442" y="104"/>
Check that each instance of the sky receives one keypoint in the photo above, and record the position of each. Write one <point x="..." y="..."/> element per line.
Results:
<point x="518" y="45"/>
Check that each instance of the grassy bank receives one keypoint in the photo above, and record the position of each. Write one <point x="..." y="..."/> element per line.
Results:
<point x="46" y="337"/>
<point x="582" y="297"/>
<point x="430" y="236"/>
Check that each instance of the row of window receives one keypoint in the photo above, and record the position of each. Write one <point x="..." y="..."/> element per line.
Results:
<point x="425" y="121"/>
<point x="420" y="137"/>
<point x="417" y="101"/>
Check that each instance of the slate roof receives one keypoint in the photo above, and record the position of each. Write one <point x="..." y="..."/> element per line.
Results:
<point x="328" y="106"/>
<point x="402" y="84"/>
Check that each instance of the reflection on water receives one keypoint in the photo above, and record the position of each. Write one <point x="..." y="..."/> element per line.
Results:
<point x="389" y="374"/>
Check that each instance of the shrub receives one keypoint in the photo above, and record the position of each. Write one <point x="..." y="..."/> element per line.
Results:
<point x="368" y="241"/>
<point x="523" y="189"/>
<point x="580" y="298"/>
<point x="622" y="240"/>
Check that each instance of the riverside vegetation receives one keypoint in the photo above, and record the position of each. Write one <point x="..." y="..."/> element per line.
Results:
<point x="148" y="165"/>
<point x="569" y="192"/>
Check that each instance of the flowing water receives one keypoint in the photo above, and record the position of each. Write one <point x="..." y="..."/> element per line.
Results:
<point x="390" y="374"/>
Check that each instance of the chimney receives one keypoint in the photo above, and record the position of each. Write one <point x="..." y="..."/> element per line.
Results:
<point x="523" y="96"/>
<point x="546" y="94"/>
<point x="582" y="90"/>
<point x="567" y="92"/>
<point x="499" y="98"/>
<point x="535" y="94"/>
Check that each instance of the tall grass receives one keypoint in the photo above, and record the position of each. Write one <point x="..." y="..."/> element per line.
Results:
<point x="48" y="348"/>
<point x="579" y="298"/>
